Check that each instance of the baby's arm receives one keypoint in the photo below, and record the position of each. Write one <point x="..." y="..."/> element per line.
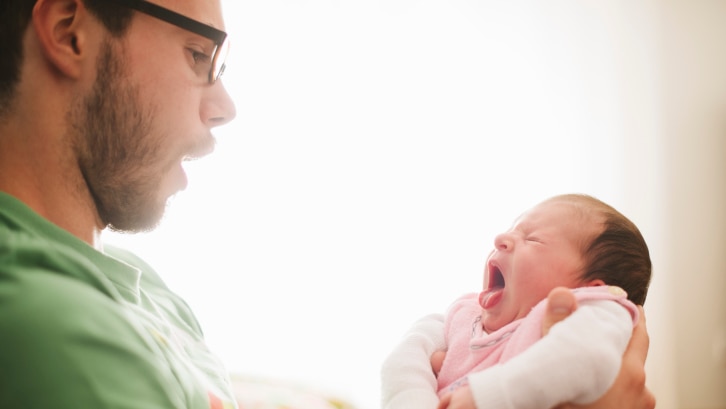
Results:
<point x="407" y="378"/>
<point x="629" y="389"/>
<point x="576" y="362"/>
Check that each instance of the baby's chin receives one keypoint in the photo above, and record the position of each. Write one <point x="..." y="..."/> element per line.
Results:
<point x="490" y="323"/>
<point x="494" y="322"/>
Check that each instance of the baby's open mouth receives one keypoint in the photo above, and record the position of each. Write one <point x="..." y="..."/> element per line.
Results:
<point x="492" y="294"/>
<point x="496" y="279"/>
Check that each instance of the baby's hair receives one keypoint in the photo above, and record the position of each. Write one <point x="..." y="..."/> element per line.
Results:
<point x="618" y="255"/>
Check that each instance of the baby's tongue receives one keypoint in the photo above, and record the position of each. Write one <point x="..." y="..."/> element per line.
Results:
<point x="491" y="297"/>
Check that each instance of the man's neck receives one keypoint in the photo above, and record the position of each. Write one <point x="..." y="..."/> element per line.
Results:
<point x="41" y="178"/>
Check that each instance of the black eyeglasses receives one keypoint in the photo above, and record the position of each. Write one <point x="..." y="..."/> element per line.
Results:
<point x="219" y="37"/>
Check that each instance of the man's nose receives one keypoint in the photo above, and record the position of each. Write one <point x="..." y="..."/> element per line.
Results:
<point x="217" y="107"/>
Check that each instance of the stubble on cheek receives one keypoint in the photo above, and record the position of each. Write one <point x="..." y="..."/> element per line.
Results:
<point x="118" y="152"/>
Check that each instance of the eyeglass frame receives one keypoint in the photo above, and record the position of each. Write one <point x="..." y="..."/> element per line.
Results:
<point x="218" y="36"/>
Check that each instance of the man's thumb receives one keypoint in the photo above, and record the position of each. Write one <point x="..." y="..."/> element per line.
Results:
<point x="560" y="304"/>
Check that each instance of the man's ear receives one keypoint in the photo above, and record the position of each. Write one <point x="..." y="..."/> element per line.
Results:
<point x="62" y="30"/>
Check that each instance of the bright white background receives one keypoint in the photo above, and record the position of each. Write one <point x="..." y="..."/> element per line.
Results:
<point x="379" y="146"/>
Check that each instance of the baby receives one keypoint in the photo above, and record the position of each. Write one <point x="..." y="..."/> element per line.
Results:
<point x="573" y="241"/>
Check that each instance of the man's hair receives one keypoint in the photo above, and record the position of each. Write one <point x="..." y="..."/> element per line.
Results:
<point x="14" y="19"/>
<point x="618" y="255"/>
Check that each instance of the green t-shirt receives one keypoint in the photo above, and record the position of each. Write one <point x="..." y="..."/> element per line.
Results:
<point x="84" y="329"/>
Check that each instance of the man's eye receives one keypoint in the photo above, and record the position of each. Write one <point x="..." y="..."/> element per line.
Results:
<point x="199" y="57"/>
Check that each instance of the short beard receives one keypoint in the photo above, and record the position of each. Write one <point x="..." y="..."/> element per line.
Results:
<point x="117" y="156"/>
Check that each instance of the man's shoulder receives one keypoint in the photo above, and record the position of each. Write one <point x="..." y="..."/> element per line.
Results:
<point x="60" y="336"/>
<point x="41" y="301"/>
<point x="46" y="287"/>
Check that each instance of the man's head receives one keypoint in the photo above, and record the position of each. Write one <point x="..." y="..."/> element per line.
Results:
<point x="569" y="241"/>
<point x="138" y="93"/>
<point x="15" y="15"/>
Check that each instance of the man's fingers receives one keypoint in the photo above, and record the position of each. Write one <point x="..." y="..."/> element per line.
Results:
<point x="444" y="402"/>
<point x="560" y="304"/>
<point x="649" y="400"/>
<point x="640" y="341"/>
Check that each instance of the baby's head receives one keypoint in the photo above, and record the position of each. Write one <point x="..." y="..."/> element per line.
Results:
<point x="568" y="240"/>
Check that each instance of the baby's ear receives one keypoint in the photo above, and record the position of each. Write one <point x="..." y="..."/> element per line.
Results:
<point x="595" y="283"/>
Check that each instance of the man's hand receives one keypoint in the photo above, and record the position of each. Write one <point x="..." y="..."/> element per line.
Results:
<point x="629" y="390"/>
<point x="437" y="361"/>
<point x="560" y="304"/>
<point x="461" y="398"/>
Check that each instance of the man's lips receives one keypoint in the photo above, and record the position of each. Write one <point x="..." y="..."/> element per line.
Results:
<point x="204" y="147"/>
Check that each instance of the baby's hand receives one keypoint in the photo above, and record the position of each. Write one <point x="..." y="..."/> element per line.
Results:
<point x="437" y="361"/>
<point x="461" y="398"/>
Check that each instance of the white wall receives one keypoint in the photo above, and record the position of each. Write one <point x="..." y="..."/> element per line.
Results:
<point x="380" y="146"/>
<point x="694" y="44"/>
